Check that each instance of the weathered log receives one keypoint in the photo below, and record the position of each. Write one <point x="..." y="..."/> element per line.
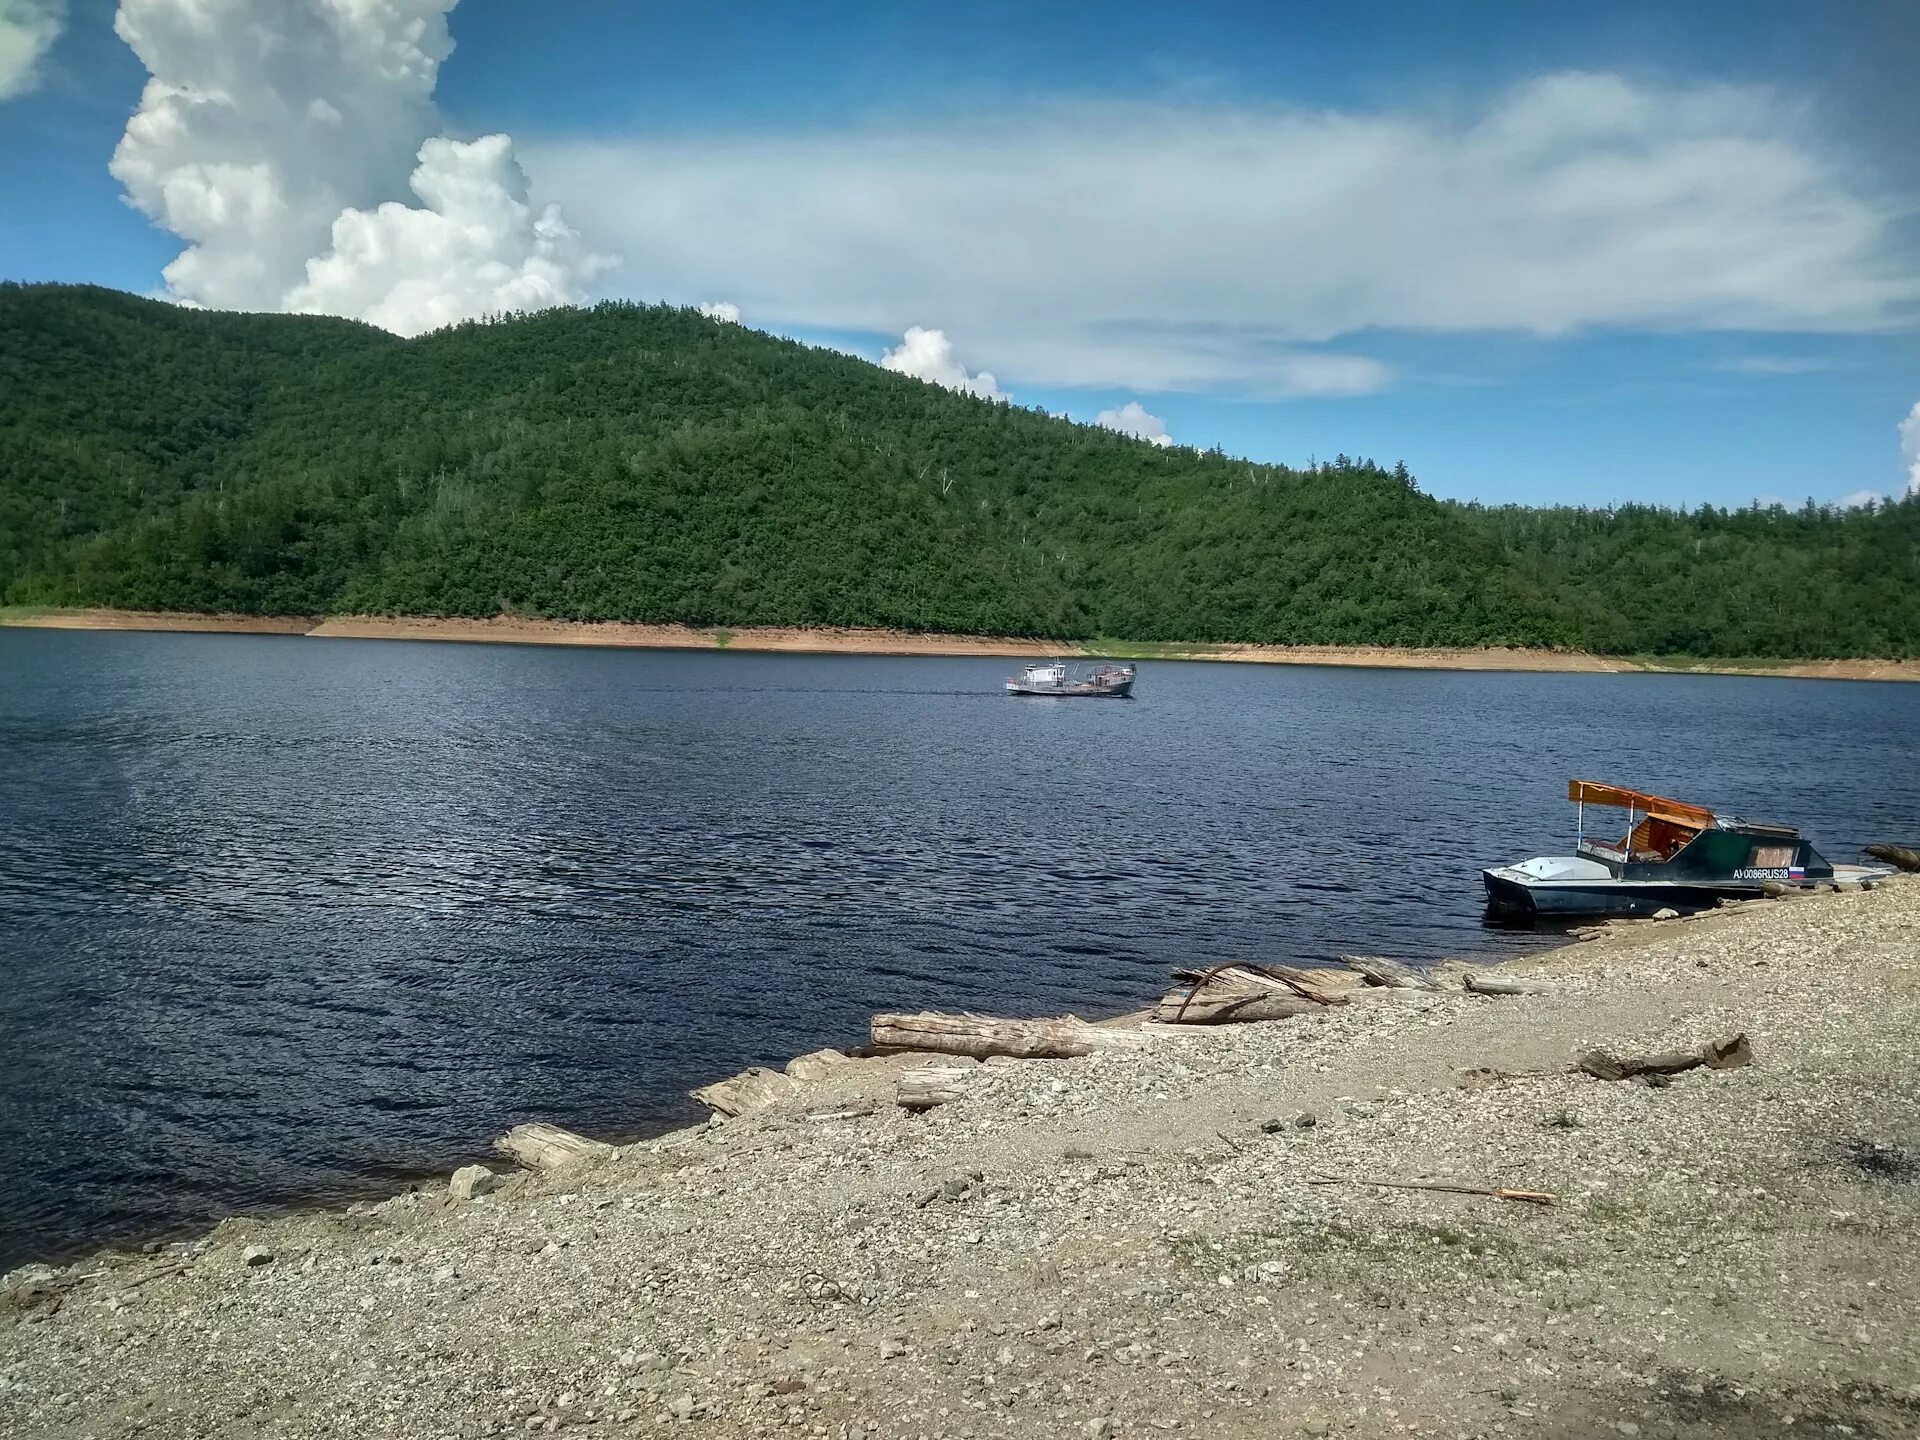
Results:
<point x="983" y="1035"/>
<point x="1182" y="1007"/>
<point x="754" y="1088"/>
<point x="1378" y="970"/>
<point x="1780" y="889"/>
<point x="1261" y="980"/>
<point x="1530" y="1197"/>
<point x="816" y="1064"/>
<point x="1481" y="983"/>
<point x="936" y="1083"/>
<point x="548" y="1147"/>
<point x="1720" y="1055"/>
<point x="1901" y="857"/>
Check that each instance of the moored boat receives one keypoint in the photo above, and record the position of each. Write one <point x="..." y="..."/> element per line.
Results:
<point x="1673" y="856"/>
<point x="1051" y="677"/>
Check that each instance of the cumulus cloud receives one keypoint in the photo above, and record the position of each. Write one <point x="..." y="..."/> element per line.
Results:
<point x="278" y="137"/>
<point x="474" y="247"/>
<point x="928" y="355"/>
<point x="724" y="311"/>
<point x="28" y="29"/>
<point x="1132" y="419"/>
<point x="1859" y="498"/>
<point x="1162" y="246"/>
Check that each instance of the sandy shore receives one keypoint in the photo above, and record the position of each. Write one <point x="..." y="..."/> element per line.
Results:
<point x="826" y="641"/>
<point x="1132" y="1243"/>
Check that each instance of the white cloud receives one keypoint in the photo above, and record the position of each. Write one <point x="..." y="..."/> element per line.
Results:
<point x="1776" y="365"/>
<point x="278" y="137"/>
<point x="474" y="248"/>
<point x="1132" y="419"/>
<point x="928" y="355"/>
<point x="1164" y="246"/>
<point x="1859" y="498"/>
<point x="724" y="311"/>
<point x="28" y="29"/>
<point x="1330" y="374"/>
<point x="1910" y="448"/>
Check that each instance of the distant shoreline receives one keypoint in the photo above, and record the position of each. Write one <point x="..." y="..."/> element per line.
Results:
<point x="512" y="630"/>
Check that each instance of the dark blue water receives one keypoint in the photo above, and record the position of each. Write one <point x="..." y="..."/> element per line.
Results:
<point x="281" y="917"/>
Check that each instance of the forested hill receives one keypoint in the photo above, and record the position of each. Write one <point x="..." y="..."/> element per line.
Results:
<point x="646" y="463"/>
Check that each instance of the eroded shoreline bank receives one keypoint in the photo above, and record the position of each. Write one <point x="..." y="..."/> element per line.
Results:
<point x="1133" y="1242"/>
<point x="836" y="641"/>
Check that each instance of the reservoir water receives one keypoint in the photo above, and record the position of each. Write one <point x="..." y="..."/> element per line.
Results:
<point x="288" y="918"/>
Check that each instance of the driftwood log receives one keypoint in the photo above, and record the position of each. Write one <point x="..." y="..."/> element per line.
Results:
<point x="548" y="1147"/>
<point x="1183" y="1007"/>
<point x="983" y="1035"/>
<point x="1239" y="993"/>
<point x="754" y="1088"/>
<point x="1265" y="979"/>
<point x="1530" y="1197"/>
<point x="1481" y="983"/>
<point x="935" y="1083"/>
<point x="1901" y="857"/>
<point x="1721" y="1055"/>
<point x="1378" y="970"/>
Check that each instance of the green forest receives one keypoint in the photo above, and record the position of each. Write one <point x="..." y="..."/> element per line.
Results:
<point x="644" y="463"/>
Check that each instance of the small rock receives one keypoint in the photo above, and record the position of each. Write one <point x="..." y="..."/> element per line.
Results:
<point x="1666" y="912"/>
<point x="892" y="1348"/>
<point x="1097" y="1428"/>
<point x="471" y="1180"/>
<point x="682" y="1406"/>
<point x="256" y="1255"/>
<point x="1305" y="1120"/>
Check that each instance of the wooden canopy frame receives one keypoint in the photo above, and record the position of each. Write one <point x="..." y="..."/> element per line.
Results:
<point x="1654" y="807"/>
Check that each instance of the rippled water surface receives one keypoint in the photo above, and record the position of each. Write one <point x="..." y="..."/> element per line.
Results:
<point x="286" y="917"/>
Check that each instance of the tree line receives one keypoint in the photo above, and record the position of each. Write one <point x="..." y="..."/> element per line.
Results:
<point x="645" y="463"/>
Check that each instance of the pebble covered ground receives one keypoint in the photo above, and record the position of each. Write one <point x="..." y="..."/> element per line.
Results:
<point x="1132" y="1243"/>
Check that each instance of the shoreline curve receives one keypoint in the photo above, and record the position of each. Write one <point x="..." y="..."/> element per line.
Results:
<point x="826" y="640"/>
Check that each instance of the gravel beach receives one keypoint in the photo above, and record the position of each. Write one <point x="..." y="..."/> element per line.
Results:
<point x="1131" y="1243"/>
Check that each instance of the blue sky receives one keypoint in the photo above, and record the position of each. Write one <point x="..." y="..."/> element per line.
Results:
<point x="1540" y="253"/>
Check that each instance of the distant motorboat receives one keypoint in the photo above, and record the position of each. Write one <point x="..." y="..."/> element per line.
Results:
<point x="1051" y="677"/>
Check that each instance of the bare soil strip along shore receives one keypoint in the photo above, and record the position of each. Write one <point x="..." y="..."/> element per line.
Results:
<point x="831" y="641"/>
<point x="172" y="620"/>
<point x="1225" y="1230"/>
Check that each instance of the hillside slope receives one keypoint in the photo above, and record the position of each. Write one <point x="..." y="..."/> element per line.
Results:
<point x="648" y="464"/>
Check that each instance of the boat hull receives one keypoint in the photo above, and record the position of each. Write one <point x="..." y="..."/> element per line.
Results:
<point x="1525" y="897"/>
<point x="1121" y="691"/>
<point x="1511" y="891"/>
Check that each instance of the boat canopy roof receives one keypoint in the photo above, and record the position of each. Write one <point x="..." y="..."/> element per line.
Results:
<point x="1656" y="807"/>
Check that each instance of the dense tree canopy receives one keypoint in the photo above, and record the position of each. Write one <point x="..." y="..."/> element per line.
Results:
<point x="646" y="463"/>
